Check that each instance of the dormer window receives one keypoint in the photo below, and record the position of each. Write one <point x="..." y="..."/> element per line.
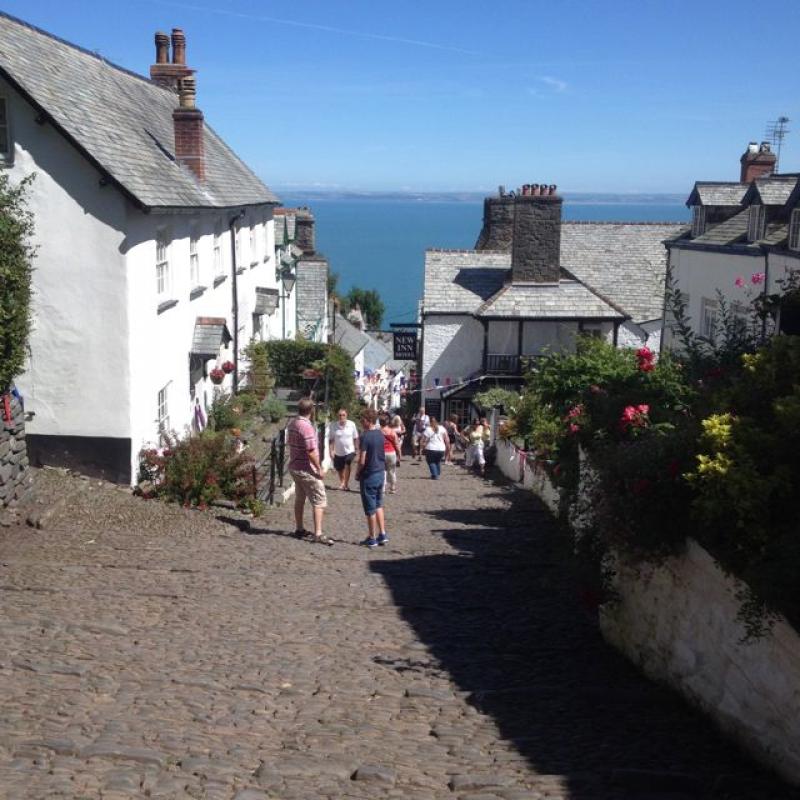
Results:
<point x="755" y="228"/>
<point x="794" y="230"/>
<point x="6" y="147"/>
<point x="698" y="221"/>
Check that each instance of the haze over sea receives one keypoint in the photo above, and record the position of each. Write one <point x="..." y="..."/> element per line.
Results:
<point x="379" y="241"/>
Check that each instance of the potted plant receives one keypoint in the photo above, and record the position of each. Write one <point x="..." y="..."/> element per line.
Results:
<point x="217" y="376"/>
<point x="228" y="367"/>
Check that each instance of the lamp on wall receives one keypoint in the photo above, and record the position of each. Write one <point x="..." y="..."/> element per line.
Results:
<point x="288" y="280"/>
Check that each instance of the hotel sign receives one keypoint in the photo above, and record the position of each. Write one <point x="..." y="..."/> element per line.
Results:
<point x="405" y="345"/>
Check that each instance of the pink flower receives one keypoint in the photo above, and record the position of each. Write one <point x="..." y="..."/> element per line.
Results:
<point x="739" y="282"/>
<point x="644" y="359"/>
<point x="575" y="411"/>
<point x="573" y="428"/>
<point x="635" y="417"/>
<point x="757" y="277"/>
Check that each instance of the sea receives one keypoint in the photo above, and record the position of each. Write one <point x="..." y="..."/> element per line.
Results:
<point x="379" y="242"/>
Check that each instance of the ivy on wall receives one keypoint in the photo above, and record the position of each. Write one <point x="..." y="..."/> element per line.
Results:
<point x="16" y="257"/>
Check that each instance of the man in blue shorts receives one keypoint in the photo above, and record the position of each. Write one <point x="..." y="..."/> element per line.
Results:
<point x="370" y="474"/>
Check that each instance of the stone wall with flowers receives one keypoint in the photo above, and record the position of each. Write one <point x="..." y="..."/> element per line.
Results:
<point x="13" y="452"/>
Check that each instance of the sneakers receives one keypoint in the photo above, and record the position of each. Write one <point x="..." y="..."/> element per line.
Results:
<point x="370" y="542"/>
<point x="382" y="539"/>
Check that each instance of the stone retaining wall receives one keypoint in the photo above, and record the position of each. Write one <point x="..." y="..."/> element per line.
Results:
<point x="13" y="456"/>
<point x="678" y="623"/>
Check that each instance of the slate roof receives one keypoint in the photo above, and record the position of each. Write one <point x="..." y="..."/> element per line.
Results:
<point x="731" y="231"/>
<point x="721" y="193"/>
<point x="266" y="300"/>
<point x="376" y="354"/>
<point x="210" y="333"/>
<point x="624" y="263"/>
<point x="122" y="122"/>
<point x="565" y="299"/>
<point x="348" y="336"/>
<point x="774" y="190"/>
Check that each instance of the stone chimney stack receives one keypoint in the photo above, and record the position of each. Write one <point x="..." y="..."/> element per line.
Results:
<point x="498" y="222"/>
<point x="188" y="123"/>
<point x="756" y="161"/>
<point x="304" y="230"/>
<point x="536" y="247"/>
<point x="164" y="72"/>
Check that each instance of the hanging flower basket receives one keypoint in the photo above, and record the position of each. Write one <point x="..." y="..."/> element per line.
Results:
<point x="216" y="375"/>
<point x="228" y="367"/>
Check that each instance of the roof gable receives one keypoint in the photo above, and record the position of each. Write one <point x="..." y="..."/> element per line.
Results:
<point x="717" y="193"/>
<point x="122" y="122"/>
<point x="774" y="190"/>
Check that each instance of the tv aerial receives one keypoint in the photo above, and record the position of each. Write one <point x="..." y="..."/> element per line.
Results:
<point x="776" y="132"/>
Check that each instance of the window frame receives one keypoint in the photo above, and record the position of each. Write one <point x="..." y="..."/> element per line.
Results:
<point x="194" y="258"/>
<point x="219" y="256"/>
<point x="7" y="153"/>
<point x="163" y="266"/>
<point x="698" y="221"/>
<point x="162" y="408"/>
<point x="709" y="313"/>
<point x="794" y="229"/>
<point x="253" y="247"/>
<point x="756" y="222"/>
<point x="265" y="240"/>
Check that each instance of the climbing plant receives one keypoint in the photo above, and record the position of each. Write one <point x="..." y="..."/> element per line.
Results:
<point x="16" y="257"/>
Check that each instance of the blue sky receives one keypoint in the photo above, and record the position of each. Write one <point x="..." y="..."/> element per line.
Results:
<point x="594" y="95"/>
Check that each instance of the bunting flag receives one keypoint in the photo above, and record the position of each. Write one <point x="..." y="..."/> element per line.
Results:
<point x="436" y="382"/>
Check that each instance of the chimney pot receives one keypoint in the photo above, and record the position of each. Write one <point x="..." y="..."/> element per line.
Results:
<point x="553" y="188"/>
<point x="526" y="189"/>
<point x="187" y="92"/>
<point x="162" y="48"/>
<point x="178" y="46"/>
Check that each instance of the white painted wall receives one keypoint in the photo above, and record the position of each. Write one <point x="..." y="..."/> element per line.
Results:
<point x="700" y="273"/>
<point x="77" y="378"/>
<point x="678" y="623"/>
<point x="451" y="347"/>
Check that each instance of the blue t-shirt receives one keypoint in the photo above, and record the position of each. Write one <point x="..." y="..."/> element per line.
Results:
<point x="371" y="443"/>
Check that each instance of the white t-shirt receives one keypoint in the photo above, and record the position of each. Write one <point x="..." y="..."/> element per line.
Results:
<point x="344" y="437"/>
<point x="436" y="440"/>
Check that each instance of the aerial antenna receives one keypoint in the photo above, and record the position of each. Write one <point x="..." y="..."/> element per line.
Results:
<point x="776" y="131"/>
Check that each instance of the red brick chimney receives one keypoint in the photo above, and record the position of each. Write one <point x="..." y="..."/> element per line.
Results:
<point x="188" y="122"/>
<point x="163" y="72"/>
<point x="756" y="161"/>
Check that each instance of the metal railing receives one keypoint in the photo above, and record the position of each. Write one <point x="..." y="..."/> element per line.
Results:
<point x="497" y="364"/>
<point x="272" y="468"/>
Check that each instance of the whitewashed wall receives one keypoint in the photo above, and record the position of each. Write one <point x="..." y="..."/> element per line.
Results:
<point x="510" y="463"/>
<point x="700" y="273"/>
<point x="678" y="623"/>
<point x="452" y="347"/>
<point x="76" y="381"/>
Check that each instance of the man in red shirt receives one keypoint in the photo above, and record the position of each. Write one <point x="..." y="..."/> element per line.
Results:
<point x="306" y="471"/>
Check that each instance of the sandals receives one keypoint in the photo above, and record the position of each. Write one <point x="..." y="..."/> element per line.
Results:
<point x="308" y="536"/>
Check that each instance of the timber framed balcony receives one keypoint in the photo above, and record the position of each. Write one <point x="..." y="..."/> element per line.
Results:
<point x="511" y="365"/>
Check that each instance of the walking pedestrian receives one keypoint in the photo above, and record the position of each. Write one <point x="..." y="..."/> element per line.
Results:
<point x="474" y="435"/>
<point x="391" y="453"/>
<point x="344" y="443"/>
<point x="451" y="426"/>
<point x="436" y="444"/>
<point x="399" y="430"/>
<point x="421" y="422"/>
<point x="307" y="472"/>
<point x="370" y="474"/>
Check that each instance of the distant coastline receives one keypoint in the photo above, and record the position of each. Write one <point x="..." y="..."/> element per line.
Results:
<point x="573" y="198"/>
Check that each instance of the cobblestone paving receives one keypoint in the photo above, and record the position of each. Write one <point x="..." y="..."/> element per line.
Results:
<point x="204" y="661"/>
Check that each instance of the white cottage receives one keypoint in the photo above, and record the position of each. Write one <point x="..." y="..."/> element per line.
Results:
<point x="745" y="237"/>
<point x="155" y="246"/>
<point x="531" y="286"/>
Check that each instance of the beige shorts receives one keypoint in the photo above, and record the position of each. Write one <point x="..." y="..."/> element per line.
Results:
<point x="311" y="487"/>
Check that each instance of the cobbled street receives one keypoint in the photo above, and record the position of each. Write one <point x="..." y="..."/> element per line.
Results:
<point x="149" y="651"/>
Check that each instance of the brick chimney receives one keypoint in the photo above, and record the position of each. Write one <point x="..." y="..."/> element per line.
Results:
<point x="188" y="123"/>
<point x="756" y="161"/>
<point x="163" y="72"/>
<point x="304" y="230"/>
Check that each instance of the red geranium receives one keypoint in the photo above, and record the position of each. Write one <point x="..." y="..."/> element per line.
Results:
<point x="216" y="375"/>
<point x="228" y="367"/>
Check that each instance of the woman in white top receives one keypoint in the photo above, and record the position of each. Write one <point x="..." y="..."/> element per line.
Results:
<point x="344" y="443"/>
<point x="436" y="445"/>
<point x="399" y="430"/>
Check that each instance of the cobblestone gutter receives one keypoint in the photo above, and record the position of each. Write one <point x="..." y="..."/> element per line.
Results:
<point x="14" y="476"/>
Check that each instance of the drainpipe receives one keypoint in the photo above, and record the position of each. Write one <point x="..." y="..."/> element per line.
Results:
<point x="235" y="299"/>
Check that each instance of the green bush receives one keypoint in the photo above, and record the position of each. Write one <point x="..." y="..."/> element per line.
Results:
<point x="225" y="412"/>
<point x="198" y="470"/>
<point x="497" y="397"/>
<point x="273" y="409"/>
<point x="261" y="379"/>
<point x="16" y="255"/>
